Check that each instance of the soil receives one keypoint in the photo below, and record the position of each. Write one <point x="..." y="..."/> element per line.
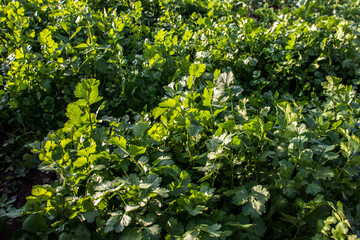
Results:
<point x="15" y="185"/>
<point x="18" y="188"/>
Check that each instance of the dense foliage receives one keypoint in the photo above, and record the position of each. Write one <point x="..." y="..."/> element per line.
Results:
<point x="185" y="119"/>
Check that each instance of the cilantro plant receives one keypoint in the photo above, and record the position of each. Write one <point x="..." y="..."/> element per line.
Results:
<point x="205" y="162"/>
<point x="183" y="119"/>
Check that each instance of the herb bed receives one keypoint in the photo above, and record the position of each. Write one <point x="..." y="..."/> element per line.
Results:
<point x="183" y="119"/>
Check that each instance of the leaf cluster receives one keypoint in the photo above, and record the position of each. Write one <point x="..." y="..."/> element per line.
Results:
<point x="185" y="119"/>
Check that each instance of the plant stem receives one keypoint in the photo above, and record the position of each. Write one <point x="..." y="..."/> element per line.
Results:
<point x="133" y="160"/>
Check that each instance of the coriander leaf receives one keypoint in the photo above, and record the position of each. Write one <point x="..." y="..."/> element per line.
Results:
<point x="136" y="150"/>
<point x="193" y="127"/>
<point x="200" y="69"/>
<point x="207" y="97"/>
<point x="158" y="111"/>
<point x="119" y="141"/>
<point x="314" y="189"/>
<point x="169" y="103"/>
<point x="125" y="220"/>
<point x="197" y="210"/>
<point x="163" y="192"/>
<point x="241" y="197"/>
<point x="35" y="223"/>
<point x="253" y="208"/>
<point x="81" y="161"/>
<point x="323" y="173"/>
<point x="260" y="193"/>
<point x="90" y="215"/>
<point x="212" y="230"/>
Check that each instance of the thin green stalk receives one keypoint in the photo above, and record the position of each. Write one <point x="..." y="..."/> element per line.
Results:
<point x="188" y="145"/>
<point x="133" y="160"/>
<point x="217" y="172"/>
<point x="91" y="123"/>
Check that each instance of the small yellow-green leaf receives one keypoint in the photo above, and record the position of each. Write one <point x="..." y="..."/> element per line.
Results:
<point x="77" y="30"/>
<point x="207" y="97"/>
<point x="216" y="73"/>
<point x="200" y="69"/>
<point x="87" y="151"/>
<point x="136" y="150"/>
<point x="82" y="45"/>
<point x="168" y="103"/>
<point x="81" y="161"/>
<point x="158" y="132"/>
<point x="268" y="126"/>
<point x="158" y="111"/>
<point x="119" y="141"/>
<point x="190" y="81"/>
<point x="39" y="191"/>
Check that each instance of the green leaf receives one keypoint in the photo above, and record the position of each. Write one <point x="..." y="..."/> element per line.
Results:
<point x="66" y="236"/>
<point x="73" y="111"/>
<point x="170" y="103"/>
<point x="323" y="173"/>
<point x="81" y="161"/>
<point x="268" y="126"/>
<point x="119" y="141"/>
<point x="336" y="124"/>
<point x="220" y="110"/>
<point x="193" y="127"/>
<point x="130" y="234"/>
<point x="147" y="220"/>
<point x="158" y="132"/>
<point x="197" y="210"/>
<point x="12" y="214"/>
<point x="192" y="69"/>
<point x="216" y="73"/>
<point x="81" y="45"/>
<point x="35" y="223"/>
<point x="158" y="111"/>
<point x="200" y="69"/>
<point x="90" y="215"/>
<point x="253" y="208"/>
<point x="195" y="70"/>
<point x="136" y="150"/>
<point x="82" y="232"/>
<point x="174" y="226"/>
<point x="116" y="222"/>
<point x="130" y="208"/>
<point x="190" y="81"/>
<point x="88" y="89"/>
<point x="40" y="191"/>
<point x="212" y="230"/>
<point x="260" y="193"/>
<point x="125" y="220"/>
<point x="163" y="192"/>
<point x="187" y="35"/>
<point x="154" y="231"/>
<point x="259" y="227"/>
<point x="314" y="189"/>
<point x="256" y="203"/>
<point x="76" y="32"/>
<point x="101" y="65"/>
<point x="207" y="97"/>
<point x="241" y="197"/>
<point x="66" y="26"/>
